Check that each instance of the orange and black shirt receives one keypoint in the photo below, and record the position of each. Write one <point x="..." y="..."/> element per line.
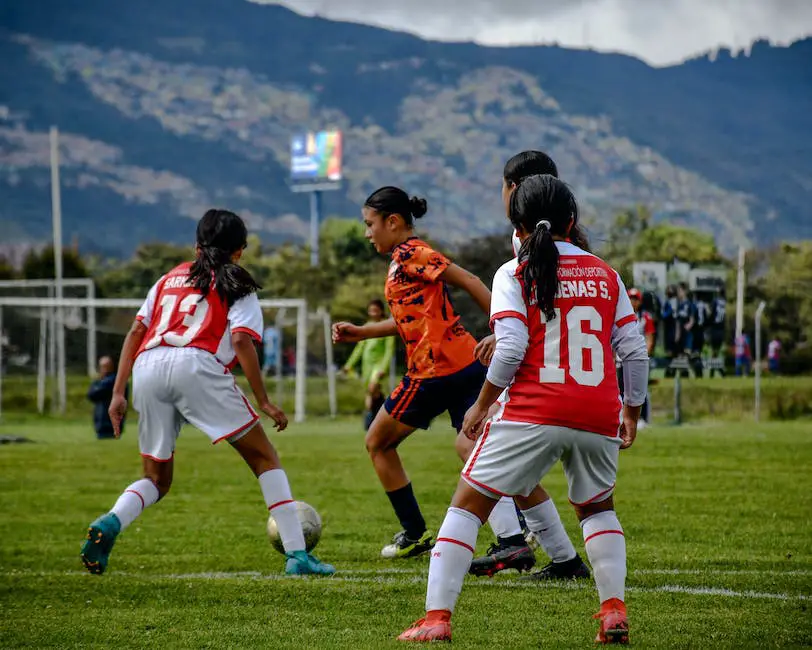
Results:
<point x="437" y="344"/>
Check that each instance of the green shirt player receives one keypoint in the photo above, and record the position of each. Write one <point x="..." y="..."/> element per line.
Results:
<point x="375" y="356"/>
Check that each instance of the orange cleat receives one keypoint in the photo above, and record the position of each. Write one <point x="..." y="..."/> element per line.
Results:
<point x="435" y="627"/>
<point x="614" y="623"/>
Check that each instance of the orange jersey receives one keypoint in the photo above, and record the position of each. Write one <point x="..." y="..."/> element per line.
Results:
<point x="437" y="344"/>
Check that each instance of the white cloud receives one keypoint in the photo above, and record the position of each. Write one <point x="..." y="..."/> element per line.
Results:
<point x="659" y="31"/>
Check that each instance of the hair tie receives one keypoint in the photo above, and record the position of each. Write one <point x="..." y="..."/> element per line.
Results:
<point x="543" y="224"/>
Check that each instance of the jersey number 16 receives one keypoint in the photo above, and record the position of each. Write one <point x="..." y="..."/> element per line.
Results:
<point x="578" y="341"/>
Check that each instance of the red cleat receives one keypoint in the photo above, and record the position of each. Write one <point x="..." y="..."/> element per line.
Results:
<point x="614" y="623"/>
<point x="435" y="627"/>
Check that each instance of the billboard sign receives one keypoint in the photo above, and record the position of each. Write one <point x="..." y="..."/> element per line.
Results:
<point x="315" y="160"/>
<point x="650" y="276"/>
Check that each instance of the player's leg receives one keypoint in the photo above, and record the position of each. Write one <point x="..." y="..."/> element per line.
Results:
<point x="260" y="455"/>
<point x="382" y="440"/>
<point x="591" y="469"/>
<point x="450" y="560"/>
<point x="158" y="427"/>
<point x="373" y="401"/>
<point x="210" y="400"/>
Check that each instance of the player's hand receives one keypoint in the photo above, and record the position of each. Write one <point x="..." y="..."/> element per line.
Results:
<point x="346" y="333"/>
<point x="484" y="350"/>
<point x="116" y="411"/>
<point x="628" y="432"/>
<point x="474" y="422"/>
<point x="276" y="414"/>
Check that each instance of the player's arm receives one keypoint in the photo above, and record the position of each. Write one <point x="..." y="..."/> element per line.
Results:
<point x="246" y="352"/>
<point x="118" y="402"/>
<point x="512" y="338"/>
<point x="348" y="333"/>
<point x="458" y="277"/>
<point x="382" y="366"/>
<point x="355" y="356"/>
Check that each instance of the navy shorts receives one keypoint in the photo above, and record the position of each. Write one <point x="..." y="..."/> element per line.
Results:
<point x="416" y="402"/>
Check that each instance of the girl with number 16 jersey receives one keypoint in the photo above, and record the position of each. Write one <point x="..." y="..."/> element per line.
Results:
<point x="198" y="320"/>
<point x="560" y="316"/>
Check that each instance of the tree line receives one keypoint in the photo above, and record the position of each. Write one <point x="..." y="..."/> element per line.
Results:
<point x="351" y="273"/>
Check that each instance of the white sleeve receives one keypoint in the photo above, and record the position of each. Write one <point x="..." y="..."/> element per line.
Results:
<point x="630" y="347"/>
<point x="245" y="315"/>
<point x="511" y="345"/>
<point x="144" y="314"/>
<point x="624" y="312"/>
<point x="507" y="300"/>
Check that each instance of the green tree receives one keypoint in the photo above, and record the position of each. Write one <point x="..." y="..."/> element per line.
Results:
<point x="7" y="271"/>
<point x="40" y="264"/>
<point x="134" y="277"/>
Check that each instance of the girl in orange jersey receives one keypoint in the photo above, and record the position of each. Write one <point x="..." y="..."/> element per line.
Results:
<point x="442" y="373"/>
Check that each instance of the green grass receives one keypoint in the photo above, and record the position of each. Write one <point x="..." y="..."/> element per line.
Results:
<point x="717" y="519"/>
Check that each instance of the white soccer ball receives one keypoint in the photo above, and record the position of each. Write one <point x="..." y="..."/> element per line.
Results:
<point x="311" y="527"/>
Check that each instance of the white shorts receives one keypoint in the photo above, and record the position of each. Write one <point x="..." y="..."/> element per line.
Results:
<point x="172" y="386"/>
<point x="510" y="458"/>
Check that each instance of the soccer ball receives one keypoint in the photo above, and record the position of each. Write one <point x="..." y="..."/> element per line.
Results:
<point x="311" y="527"/>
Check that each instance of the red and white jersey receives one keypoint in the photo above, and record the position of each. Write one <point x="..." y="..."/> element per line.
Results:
<point x="567" y="377"/>
<point x="177" y="316"/>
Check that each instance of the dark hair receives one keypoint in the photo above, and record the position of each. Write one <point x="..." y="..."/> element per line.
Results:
<point x="528" y="163"/>
<point x="377" y="302"/>
<point x="544" y="207"/>
<point x="393" y="200"/>
<point x="220" y="234"/>
<point x="532" y="163"/>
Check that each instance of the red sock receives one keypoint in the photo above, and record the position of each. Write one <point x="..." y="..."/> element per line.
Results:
<point x="438" y="616"/>
<point x="613" y="603"/>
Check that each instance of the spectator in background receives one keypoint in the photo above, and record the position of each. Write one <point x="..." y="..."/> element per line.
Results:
<point x="645" y="322"/>
<point x="270" y="348"/>
<point x="100" y="393"/>
<point x="686" y="320"/>
<point x="716" y="327"/>
<point x="744" y="358"/>
<point x="701" y="318"/>
<point x="669" y="318"/>
<point x="774" y="356"/>
<point x="375" y="356"/>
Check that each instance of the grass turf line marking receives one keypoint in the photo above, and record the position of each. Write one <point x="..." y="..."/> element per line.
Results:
<point x="366" y="578"/>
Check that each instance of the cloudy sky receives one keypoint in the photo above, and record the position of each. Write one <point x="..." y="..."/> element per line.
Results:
<point x="659" y="31"/>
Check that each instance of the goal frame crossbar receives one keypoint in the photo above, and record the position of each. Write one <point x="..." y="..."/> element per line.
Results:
<point x="56" y="305"/>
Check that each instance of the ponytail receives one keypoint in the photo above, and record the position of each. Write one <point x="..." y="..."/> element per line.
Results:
<point x="220" y="234"/>
<point x="545" y="208"/>
<point x="540" y="272"/>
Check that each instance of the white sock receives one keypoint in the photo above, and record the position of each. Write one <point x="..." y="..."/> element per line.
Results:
<point x="503" y="520"/>
<point x="545" y="523"/>
<point x="276" y="490"/>
<point x="450" y="558"/>
<point x="134" y="500"/>
<point x="606" y="548"/>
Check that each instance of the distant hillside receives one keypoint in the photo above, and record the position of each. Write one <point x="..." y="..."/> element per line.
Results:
<point x="167" y="110"/>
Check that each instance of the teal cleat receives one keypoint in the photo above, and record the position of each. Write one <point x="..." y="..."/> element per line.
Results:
<point x="101" y="535"/>
<point x="301" y="563"/>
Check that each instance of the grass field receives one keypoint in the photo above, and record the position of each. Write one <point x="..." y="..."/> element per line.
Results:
<point x="717" y="520"/>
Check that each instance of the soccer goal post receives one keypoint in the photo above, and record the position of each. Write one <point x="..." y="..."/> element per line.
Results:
<point x="29" y="343"/>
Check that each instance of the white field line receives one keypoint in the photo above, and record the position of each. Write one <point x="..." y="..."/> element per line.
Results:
<point x="389" y="576"/>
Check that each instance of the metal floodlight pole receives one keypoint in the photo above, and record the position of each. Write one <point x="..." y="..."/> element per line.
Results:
<point x="56" y="210"/>
<point x="315" y="217"/>
<point x="740" y="279"/>
<point x="759" y="313"/>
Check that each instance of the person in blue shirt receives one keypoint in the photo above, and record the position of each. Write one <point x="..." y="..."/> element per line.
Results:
<point x="100" y="393"/>
<point x="270" y="346"/>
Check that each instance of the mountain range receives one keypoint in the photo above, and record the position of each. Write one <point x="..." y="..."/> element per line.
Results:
<point x="168" y="108"/>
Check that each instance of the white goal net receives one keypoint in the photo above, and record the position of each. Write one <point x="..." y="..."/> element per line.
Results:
<point x="49" y="346"/>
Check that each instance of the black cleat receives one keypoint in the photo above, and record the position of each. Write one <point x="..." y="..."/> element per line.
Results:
<point x="574" y="569"/>
<point x="503" y="555"/>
